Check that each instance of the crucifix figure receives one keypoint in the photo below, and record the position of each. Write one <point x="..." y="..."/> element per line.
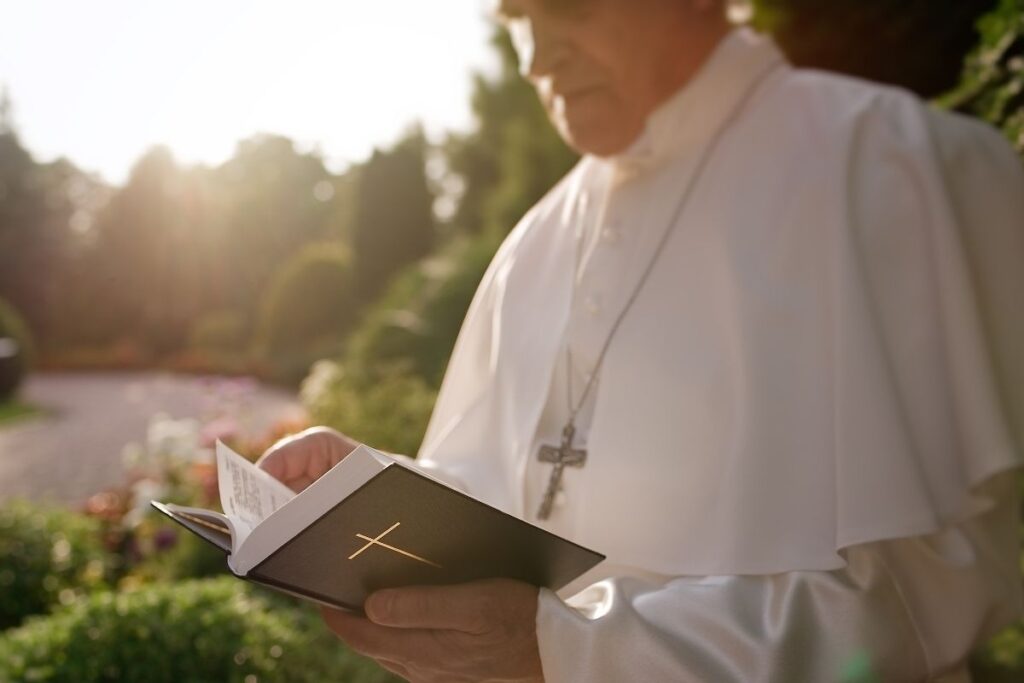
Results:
<point x="564" y="455"/>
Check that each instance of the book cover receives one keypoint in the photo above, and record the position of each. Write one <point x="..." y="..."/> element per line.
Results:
<point x="396" y="527"/>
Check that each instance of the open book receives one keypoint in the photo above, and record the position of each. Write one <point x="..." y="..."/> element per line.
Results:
<point x="370" y="522"/>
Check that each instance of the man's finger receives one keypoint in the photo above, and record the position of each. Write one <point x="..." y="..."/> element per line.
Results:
<point x="468" y="607"/>
<point x="381" y="642"/>
<point x="272" y="463"/>
<point x="284" y="460"/>
<point x="359" y="633"/>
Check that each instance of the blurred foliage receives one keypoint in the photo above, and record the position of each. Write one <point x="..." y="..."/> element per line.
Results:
<point x="993" y="83"/>
<point x="1001" y="660"/>
<point x="387" y="406"/>
<point x="188" y="632"/>
<point x="14" y="367"/>
<point x="308" y="308"/>
<point x="185" y="556"/>
<point x="174" y="244"/>
<point x="219" y="331"/>
<point x="50" y="556"/>
<point x="416" y="321"/>
<point x="393" y="221"/>
<point x="181" y="256"/>
<point x="916" y="44"/>
<point x="39" y="205"/>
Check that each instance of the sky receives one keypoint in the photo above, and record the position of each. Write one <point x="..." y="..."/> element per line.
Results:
<point x="101" y="81"/>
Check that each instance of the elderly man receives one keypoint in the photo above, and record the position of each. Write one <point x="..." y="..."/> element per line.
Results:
<point x="776" y="309"/>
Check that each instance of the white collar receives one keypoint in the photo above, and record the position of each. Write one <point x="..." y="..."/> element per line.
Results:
<point x="691" y="115"/>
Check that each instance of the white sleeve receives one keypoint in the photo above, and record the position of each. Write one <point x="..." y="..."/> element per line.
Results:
<point x="908" y="609"/>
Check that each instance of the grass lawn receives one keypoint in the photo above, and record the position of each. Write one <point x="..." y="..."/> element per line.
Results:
<point x="14" y="410"/>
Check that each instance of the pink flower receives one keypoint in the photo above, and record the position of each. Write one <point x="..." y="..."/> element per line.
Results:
<point x="224" y="428"/>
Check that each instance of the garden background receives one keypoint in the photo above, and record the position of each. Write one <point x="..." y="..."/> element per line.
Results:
<point x="347" y="289"/>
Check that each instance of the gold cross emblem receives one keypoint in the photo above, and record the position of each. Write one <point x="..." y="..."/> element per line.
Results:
<point x="377" y="541"/>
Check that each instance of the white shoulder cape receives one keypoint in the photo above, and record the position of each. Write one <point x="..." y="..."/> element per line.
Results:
<point x="829" y="352"/>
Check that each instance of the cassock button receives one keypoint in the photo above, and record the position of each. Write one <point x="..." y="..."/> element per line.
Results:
<point x="591" y="305"/>
<point x="611" y="234"/>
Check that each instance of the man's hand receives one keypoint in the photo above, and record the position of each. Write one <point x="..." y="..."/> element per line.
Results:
<point x="480" y="631"/>
<point x="302" y="458"/>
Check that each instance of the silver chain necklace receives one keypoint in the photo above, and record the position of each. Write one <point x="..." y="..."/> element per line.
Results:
<point x="565" y="455"/>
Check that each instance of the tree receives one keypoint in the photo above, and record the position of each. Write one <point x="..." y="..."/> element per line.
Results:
<point x="175" y="244"/>
<point x="393" y="221"/>
<point x="36" y="207"/>
<point x="270" y="200"/>
<point x="145" y="268"/>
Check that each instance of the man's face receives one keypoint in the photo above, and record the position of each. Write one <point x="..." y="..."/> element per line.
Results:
<point x="601" y="66"/>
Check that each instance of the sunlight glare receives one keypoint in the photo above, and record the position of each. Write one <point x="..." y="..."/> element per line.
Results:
<point x="101" y="82"/>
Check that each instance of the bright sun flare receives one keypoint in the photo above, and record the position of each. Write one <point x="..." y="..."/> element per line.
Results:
<point x="100" y="82"/>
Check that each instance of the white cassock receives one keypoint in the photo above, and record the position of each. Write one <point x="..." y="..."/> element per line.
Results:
<point x="799" y="438"/>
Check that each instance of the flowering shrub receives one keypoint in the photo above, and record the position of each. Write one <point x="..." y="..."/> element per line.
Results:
<point x="176" y="464"/>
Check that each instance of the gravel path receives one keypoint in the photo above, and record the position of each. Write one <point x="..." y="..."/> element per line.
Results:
<point x="74" y="450"/>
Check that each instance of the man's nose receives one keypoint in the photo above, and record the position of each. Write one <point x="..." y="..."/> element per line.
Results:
<point x="539" y="50"/>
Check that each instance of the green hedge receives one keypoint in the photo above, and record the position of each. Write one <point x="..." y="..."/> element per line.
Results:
<point x="308" y="309"/>
<point x="47" y="556"/>
<point x="205" y="631"/>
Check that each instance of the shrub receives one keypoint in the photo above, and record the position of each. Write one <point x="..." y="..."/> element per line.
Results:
<point x="392" y="221"/>
<point x="219" y="331"/>
<point x="383" y="389"/>
<point x="14" y="369"/>
<point x="389" y="411"/>
<point x="308" y="308"/>
<point x="418" y="319"/>
<point x="169" y="553"/>
<point x="191" y="632"/>
<point x="50" y="556"/>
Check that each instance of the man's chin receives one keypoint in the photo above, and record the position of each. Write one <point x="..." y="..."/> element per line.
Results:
<point x="602" y="139"/>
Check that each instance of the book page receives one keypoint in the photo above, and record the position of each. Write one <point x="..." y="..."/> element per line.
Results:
<point x="353" y="471"/>
<point x="248" y="494"/>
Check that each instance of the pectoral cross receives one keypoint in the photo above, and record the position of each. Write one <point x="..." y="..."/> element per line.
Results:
<point x="564" y="455"/>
